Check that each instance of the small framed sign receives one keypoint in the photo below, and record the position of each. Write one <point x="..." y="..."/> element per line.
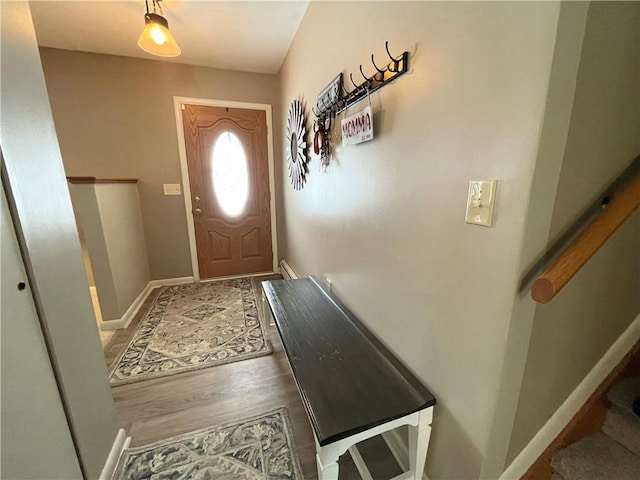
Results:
<point x="329" y="94"/>
<point x="357" y="128"/>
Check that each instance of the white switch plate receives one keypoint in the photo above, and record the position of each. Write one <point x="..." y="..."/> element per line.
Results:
<point x="171" y="188"/>
<point x="480" y="201"/>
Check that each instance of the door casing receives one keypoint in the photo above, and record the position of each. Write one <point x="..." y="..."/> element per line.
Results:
<point x="186" y="188"/>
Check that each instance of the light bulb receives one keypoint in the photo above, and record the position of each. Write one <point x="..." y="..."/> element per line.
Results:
<point x="157" y="34"/>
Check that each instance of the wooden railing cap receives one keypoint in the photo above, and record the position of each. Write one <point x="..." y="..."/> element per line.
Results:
<point x="100" y="180"/>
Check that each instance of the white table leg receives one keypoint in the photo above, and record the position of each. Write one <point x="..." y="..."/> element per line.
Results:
<point x="327" y="461"/>
<point x="328" y="472"/>
<point x="419" y="436"/>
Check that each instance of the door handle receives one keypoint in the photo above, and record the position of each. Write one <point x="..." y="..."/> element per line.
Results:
<point x="197" y="211"/>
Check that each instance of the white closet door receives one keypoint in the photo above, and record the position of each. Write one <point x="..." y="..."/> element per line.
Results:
<point x="35" y="440"/>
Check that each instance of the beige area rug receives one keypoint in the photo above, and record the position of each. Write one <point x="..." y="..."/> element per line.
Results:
<point x="258" y="448"/>
<point x="194" y="326"/>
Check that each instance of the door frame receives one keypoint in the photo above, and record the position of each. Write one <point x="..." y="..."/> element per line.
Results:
<point x="186" y="187"/>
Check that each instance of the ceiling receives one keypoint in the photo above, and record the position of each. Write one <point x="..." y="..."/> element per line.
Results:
<point x="231" y="35"/>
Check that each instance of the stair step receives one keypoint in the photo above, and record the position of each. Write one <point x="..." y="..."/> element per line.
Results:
<point x="624" y="393"/>
<point x="623" y="427"/>
<point x="596" y="457"/>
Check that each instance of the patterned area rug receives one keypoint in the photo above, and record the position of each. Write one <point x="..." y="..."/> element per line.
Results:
<point x="260" y="448"/>
<point x="194" y="326"/>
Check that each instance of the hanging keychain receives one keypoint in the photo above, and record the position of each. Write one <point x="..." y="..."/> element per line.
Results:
<point x="325" y="149"/>
<point x="317" y="137"/>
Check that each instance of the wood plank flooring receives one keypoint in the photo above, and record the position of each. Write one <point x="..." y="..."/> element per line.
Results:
<point x="156" y="409"/>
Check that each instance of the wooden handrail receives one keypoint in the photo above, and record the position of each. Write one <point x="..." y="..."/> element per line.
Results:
<point x="100" y="180"/>
<point x="554" y="278"/>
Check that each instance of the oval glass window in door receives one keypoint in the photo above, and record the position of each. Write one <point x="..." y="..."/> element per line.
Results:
<point x="230" y="174"/>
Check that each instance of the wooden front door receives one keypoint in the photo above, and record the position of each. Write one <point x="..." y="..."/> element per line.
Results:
<point x="229" y="180"/>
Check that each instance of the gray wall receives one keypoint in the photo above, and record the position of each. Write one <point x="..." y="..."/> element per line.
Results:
<point x="571" y="333"/>
<point x="35" y="184"/>
<point x="386" y="221"/>
<point x="114" y="117"/>
<point x="553" y="136"/>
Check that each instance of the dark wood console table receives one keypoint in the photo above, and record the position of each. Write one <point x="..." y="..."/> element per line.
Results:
<point x="352" y="386"/>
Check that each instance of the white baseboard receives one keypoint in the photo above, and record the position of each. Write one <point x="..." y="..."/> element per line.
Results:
<point x="129" y="314"/>
<point x="233" y="277"/>
<point x="163" y="282"/>
<point x="120" y="444"/>
<point x="286" y="271"/>
<point x="573" y="403"/>
<point x="137" y="303"/>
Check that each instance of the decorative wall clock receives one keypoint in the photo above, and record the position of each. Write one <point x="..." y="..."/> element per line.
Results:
<point x="297" y="144"/>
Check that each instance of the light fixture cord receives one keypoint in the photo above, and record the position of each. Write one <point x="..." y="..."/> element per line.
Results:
<point x="156" y="3"/>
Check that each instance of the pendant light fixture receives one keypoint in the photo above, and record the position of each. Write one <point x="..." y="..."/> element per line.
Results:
<point x="156" y="37"/>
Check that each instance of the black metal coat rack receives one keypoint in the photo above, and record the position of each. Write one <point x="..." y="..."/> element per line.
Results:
<point x="383" y="76"/>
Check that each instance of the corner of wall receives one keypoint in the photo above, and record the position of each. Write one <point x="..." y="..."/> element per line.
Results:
<point x="552" y="141"/>
<point x="570" y="334"/>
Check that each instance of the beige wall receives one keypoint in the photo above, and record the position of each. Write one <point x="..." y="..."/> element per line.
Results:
<point x="572" y="333"/>
<point x="114" y="118"/>
<point x="121" y="221"/>
<point x="35" y="184"/>
<point x="110" y="219"/>
<point x="386" y="221"/>
<point x="87" y="213"/>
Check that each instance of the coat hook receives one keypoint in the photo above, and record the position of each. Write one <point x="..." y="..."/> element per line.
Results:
<point x="381" y="72"/>
<point x="354" y="83"/>
<point x="367" y="79"/>
<point x="386" y="46"/>
<point x="393" y="60"/>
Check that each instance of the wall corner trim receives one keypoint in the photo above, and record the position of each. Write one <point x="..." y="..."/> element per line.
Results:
<point x="131" y="312"/>
<point x="286" y="271"/>
<point x="120" y="444"/>
<point x="573" y="403"/>
<point x="163" y="282"/>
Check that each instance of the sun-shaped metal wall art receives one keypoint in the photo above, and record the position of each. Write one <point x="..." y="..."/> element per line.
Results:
<point x="297" y="144"/>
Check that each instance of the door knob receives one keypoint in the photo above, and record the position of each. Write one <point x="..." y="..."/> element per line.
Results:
<point x="196" y="199"/>
<point x="197" y="211"/>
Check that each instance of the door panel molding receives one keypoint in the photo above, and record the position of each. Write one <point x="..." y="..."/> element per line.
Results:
<point x="186" y="188"/>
